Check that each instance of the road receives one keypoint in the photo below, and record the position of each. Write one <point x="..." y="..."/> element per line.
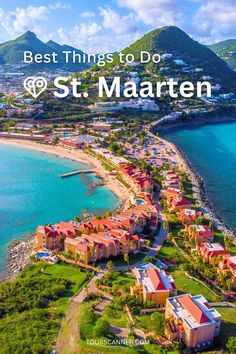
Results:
<point x="90" y="288"/>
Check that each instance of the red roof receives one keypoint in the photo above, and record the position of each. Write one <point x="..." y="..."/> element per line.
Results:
<point x="188" y="303"/>
<point x="156" y="280"/>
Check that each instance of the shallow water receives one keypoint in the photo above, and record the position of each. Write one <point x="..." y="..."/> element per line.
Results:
<point x="32" y="193"/>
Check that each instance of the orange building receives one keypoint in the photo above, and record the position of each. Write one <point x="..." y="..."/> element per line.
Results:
<point x="139" y="180"/>
<point x="200" y="233"/>
<point x="189" y="216"/>
<point x="178" y="203"/>
<point x="228" y="266"/>
<point x="209" y="251"/>
<point x="153" y="284"/>
<point x="191" y="320"/>
<point x="96" y="246"/>
<point x="52" y="236"/>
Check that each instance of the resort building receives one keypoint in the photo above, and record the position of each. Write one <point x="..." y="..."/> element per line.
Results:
<point x="227" y="266"/>
<point x="199" y="233"/>
<point x="52" y="236"/>
<point x="209" y="251"/>
<point x="77" y="141"/>
<point x="101" y="127"/>
<point x="96" y="246"/>
<point x="139" y="180"/>
<point x="96" y="239"/>
<point x="189" y="216"/>
<point x="153" y="284"/>
<point x="178" y="203"/>
<point x="192" y="321"/>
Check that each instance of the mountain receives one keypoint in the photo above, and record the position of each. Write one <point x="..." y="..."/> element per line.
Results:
<point x="226" y="50"/>
<point x="171" y="39"/>
<point x="12" y="52"/>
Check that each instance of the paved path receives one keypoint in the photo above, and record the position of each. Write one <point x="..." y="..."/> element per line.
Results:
<point x="159" y="238"/>
<point x="90" y="288"/>
<point x="101" y="305"/>
<point x="68" y="337"/>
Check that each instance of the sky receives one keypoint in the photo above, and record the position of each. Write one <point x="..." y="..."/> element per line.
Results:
<point x="110" y="25"/>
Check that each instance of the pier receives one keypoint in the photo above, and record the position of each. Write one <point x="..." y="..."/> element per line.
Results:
<point x="77" y="172"/>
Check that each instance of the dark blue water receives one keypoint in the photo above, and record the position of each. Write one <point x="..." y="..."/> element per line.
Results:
<point x="212" y="151"/>
<point x="32" y="193"/>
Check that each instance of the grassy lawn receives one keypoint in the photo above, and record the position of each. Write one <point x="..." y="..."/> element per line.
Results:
<point x="133" y="258"/>
<point x="187" y="285"/>
<point x="219" y="237"/>
<point x="124" y="281"/>
<point x="228" y="325"/>
<point x="77" y="276"/>
<point x="116" y="317"/>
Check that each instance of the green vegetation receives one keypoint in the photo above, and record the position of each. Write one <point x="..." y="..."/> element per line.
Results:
<point x="226" y="50"/>
<point x="117" y="281"/>
<point x="152" y="322"/>
<point x="228" y="326"/>
<point x="188" y="285"/>
<point x="32" y="306"/>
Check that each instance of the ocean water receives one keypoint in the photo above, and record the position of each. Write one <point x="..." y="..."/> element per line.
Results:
<point x="32" y="193"/>
<point x="212" y="151"/>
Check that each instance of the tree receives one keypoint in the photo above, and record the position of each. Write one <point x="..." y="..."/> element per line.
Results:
<point x="158" y="321"/>
<point x="126" y="259"/>
<point x="101" y="328"/>
<point x="231" y="344"/>
<point x="110" y="266"/>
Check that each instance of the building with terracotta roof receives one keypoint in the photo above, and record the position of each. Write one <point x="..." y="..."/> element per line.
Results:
<point x="153" y="284"/>
<point x="209" y="251"/>
<point x="139" y="180"/>
<point x="189" y="216"/>
<point x="178" y="203"/>
<point x="52" y="236"/>
<point x="199" y="233"/>
<point x="102" y="245"/>
<point x="192" y="321"/>
<point x="227" y="266"/>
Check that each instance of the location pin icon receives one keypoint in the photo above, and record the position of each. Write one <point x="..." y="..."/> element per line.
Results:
<point x="35" y="85"/>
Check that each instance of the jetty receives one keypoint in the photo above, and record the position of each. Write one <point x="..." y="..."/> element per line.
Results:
<point x="77" y="172"/>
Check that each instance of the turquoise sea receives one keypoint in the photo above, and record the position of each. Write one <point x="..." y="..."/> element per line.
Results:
<point x="212" y="151"/>
<point x="32" y="193"/>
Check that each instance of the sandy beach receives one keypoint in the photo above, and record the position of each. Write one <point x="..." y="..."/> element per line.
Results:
<point x="78" y="155"/>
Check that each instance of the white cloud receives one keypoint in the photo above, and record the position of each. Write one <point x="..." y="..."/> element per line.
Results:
<point x="23" y="19"/>
<point x="119" y="24"/>
<point x="216" y="19"/>
<point x="156" y="13"/>
<point x="87" y="14"/>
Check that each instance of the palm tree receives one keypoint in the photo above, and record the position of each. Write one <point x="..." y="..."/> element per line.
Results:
<point x="110" y="266"/>
<point x="126" y="259"/>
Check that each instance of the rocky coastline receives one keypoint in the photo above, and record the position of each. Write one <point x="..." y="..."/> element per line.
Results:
<point x="200" y="195"/>
<point x="18" y="256"/>
<point x="197" y="181"/>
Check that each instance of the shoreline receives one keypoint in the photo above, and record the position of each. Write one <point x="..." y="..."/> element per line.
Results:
<point x="111" y="182"/>
<point x="199" y="192"/>
<point x="18" y="256"/>
<point x="19" y="251"/>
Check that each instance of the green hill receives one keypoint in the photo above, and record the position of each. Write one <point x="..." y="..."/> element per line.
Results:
<point x="226" y="50"/>
<point x="12" y="52"/>
<point x="171" y="39"/>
